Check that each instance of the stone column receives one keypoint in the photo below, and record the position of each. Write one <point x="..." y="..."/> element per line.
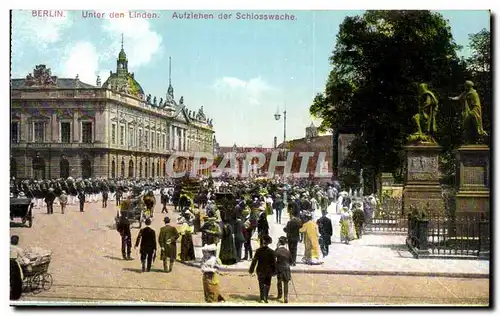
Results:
<point x="182" y="140"/>
<point x="76" y="128"/>
<point x="54" y="129"/>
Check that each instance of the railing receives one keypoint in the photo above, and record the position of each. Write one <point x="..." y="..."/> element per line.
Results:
<point x="439" y="235"/>
<point x="388" y="217"/>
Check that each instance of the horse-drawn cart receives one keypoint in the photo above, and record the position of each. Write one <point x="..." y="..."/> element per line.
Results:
<point x="134" y="210"/>
<point x="21" y="208"/>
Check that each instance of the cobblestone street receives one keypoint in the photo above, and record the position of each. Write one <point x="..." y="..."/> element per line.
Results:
<point x="87" y="266"/>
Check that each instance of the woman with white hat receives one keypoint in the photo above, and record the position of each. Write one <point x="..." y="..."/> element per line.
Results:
<point x="209" y="267"/>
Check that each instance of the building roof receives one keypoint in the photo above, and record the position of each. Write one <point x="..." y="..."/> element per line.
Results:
<point x="123" y="83"/>
<point x="61" y="83"/>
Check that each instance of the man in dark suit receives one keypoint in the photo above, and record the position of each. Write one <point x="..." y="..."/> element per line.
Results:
<point x="123" y="227"/>
<point x="147" y="239"/>
<point x="168" y="244"/>
<point x="283" y="262"/>
<point x="265" y="259"/>
<point x="278" y="206"/>
<point x="325" y="231"/>
<point x="293" y="235"/>
<point x="49" y="200"/>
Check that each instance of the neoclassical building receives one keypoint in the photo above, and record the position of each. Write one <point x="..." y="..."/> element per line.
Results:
<point x="63" y="127"/>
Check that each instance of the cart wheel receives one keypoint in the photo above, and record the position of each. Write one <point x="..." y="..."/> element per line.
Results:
<point x="47" y="281"/>
<point x="36" y="281"/>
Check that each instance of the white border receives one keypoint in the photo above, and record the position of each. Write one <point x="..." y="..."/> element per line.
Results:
<point x="200" y="5"/>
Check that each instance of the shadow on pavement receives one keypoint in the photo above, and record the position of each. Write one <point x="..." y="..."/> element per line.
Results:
<point x="115" y="258"/>
<point x="17" y="224"/>
<point x="246" y="297"/>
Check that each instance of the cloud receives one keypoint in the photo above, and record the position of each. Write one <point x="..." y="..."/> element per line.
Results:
<point x="250" y="92"/>
<point x="40" y="31"/>
<point x="141" y="43"/>
<point x="82" y="59"/>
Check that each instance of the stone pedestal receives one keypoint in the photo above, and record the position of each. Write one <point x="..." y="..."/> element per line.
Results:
<point x="421" y="186"/>
<point x="473" y="169"/>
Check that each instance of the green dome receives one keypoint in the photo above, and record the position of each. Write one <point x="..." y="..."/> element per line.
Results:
<point x="124" y="84"/>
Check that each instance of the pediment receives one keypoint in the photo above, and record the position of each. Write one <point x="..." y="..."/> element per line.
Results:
<point x="181" y="115"/>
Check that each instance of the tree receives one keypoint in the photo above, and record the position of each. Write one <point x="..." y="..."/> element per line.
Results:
<point x="378" y="61"/>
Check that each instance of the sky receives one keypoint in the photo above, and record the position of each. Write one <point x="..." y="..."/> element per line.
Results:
<point x="240" y="71"/>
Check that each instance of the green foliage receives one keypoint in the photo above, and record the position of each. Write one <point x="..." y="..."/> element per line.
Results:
<point x="379" y="59"/>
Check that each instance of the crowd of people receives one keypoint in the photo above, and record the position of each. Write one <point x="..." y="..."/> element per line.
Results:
<point x="227" y="213"/>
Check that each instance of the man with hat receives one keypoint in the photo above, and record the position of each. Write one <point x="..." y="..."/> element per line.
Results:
<point x="49" y="200"/>
<point x="147" y="239"/>
<point x="168" y="244"/>
<point x="278" y="205"/>
<point x="265" y="259"/>
<point x="283" y="262"/>
<point x="123" y="227"/>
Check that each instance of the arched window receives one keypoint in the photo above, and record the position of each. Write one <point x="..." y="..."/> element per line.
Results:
<point x="152" y="170"/>
<point x="164" y="169"/>
<point x="86" y="168"/>
<point x="146" y="173"/>
<point x="39" y="167"/>
<point x="64" y="167"/>
<point x="131" y="168"/>
<point x="158" y="169"/>
<point x="140" y="169"/>
<point x="122" y="169"/>
<point x="113" y="169"/>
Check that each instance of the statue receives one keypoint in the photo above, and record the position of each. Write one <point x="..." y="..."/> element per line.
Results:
<point x="161" y="103"/>
<point x="425" y="119"/>
<point x="472" y="121"/>
<point x="181" y="101"/>
<point x="154" y="101"/>
<point x="148" y="99"/>
<point x="201" y="115"/>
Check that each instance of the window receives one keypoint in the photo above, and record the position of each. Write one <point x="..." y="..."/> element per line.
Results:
<point x="113" y="133"/>
<point x="87" y="132"/>
<point x="157" y="140"/>
<point x="164" y="145"/>
<point x="146" y="139"/>
<point x="140" y="138"/>
<point x="14" y="132"/>
<point x="122" y="135"/>
<point x="65" y="132"/>
<point x="152" y="139"/>
<point x="130" y="137"/>
<point x="39" y="132"/>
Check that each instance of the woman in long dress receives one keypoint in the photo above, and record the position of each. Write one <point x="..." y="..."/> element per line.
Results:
<point x="227" y="254"/>
<point x="187" y="246"/>
<point x="311" y="241"/>
<point x="346" y="226"/>
<point x="209" y="268"/>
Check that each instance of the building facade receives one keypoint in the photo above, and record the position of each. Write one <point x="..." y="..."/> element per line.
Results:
<point x="63" y="127"/>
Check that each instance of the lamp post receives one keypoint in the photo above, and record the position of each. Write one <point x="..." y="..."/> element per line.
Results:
<point x="277" y="117"/>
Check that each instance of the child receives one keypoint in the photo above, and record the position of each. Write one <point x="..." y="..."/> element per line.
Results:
<point x="209" y="268"/>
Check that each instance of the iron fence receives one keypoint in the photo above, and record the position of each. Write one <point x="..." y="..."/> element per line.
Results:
<point x="388" y="217"/>
<point x="447" y="236"/>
